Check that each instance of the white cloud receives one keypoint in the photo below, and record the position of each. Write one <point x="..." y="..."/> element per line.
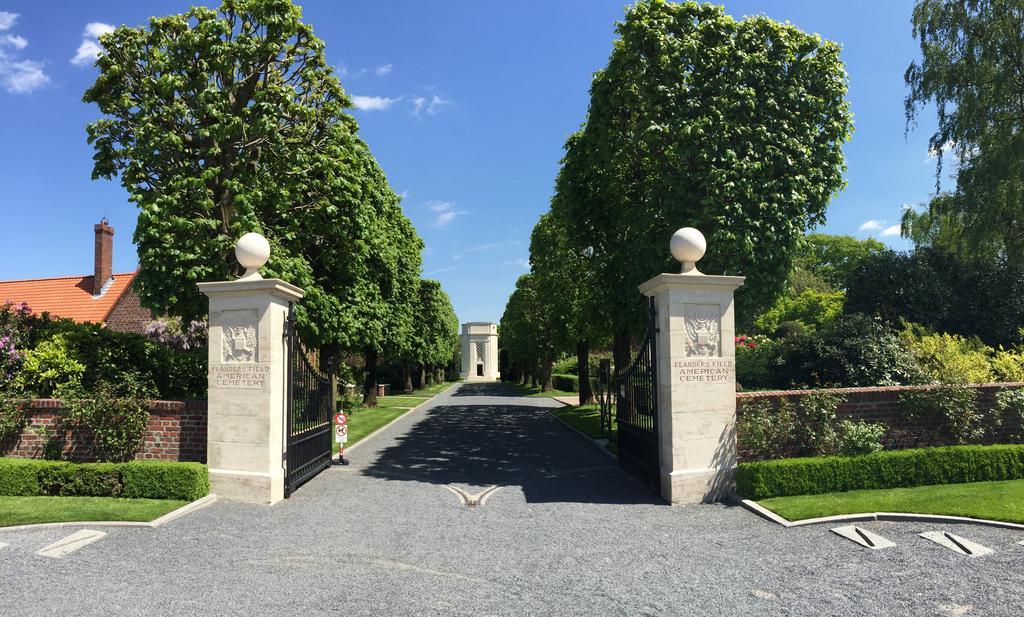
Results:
<point x="871" y="225"/>
<point x="90" y="48"/>
<point x="7" y="20"/>
<point x="431" y="106"/>
<point x="445" y="211"/>
<point x="433" y="272"/>
<point x="22" y="77"/>
<point x="97" y="29"/>
<point x="891" y="231"/>
<point x="14" y="41"/>
<point x="373" y="103"/>
<point x="17" y="75"/>
<point x="383" y="70"/>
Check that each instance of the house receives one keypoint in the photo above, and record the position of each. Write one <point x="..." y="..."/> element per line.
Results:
<point x="103" y="297"/>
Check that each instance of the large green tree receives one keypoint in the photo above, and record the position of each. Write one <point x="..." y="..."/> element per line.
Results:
<point x="435" y="334"/>
<point x="563" y="279"/>
<point x="731" y="126"/>
<point x="525" y="333"/>
<point x="971" y="69"/>
<point x="220" y="122"/>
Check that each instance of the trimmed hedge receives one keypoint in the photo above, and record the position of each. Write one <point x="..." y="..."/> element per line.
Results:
<point x="889" y="469"/>
<point x="565" y="383"/>
<point x="137" y="479"/>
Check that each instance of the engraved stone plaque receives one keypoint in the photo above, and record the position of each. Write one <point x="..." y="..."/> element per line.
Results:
<point x="239" y="338"/>
<point x="703" y="324"/>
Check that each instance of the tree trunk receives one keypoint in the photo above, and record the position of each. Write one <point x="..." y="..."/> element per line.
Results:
<point x="545" y="375"/>
<point x="583" y="371"/>
<point x="430" y="376"/>
<point x="370" y="386"/>
<point x="440" y="375"/>
<point x="621" y="350"/>
<point x="408" y="377"/>
<point x="422" y="383"/>
<point x="534" y="370"/>
<point x="525" y="372"/>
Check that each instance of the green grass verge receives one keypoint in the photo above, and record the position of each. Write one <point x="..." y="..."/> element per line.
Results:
<point x="587" y="419"/>
<point x="537" y="392"/>
<point x="364" y="420"/>
<point x="997" y="501"/>
<point x="32" y="510"/>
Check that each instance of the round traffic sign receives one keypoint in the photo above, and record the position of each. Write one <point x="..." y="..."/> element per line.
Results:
<point x="340" y="418"/>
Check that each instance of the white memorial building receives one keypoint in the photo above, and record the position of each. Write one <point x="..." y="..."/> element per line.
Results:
<point x="480" y="351"/>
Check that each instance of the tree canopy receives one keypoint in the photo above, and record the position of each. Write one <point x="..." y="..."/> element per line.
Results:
<point x="219" y="122"/>
<point x="733" y="127"/>
<point x="970" y="69"/>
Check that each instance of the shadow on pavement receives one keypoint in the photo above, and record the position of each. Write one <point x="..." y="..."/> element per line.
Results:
<point x="495" y="388"/>
<point x="486" y="445"/>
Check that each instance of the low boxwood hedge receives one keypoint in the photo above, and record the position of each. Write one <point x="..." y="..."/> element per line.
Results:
<point x="137" y="479"/>
<point x="565" y="383"/>
<point x="889" y="469"/>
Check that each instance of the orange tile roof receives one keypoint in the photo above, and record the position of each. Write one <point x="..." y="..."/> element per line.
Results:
<point x="67" y="296"/>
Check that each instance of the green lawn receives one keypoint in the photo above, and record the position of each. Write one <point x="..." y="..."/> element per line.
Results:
<point x="528" y="391"/>
<point x="30" y="510"/>
<point x="587" y="418"/>
<point x="999" y="501"/>
<point x="364" y="420"/>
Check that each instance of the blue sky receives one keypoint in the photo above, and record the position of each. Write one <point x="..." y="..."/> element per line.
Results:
<point x="465" y="104"/>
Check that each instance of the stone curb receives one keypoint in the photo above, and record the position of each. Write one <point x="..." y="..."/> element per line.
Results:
<point x="388" y="425"/>
<point x="905" y="517"/>
<point x="188" y="508"/>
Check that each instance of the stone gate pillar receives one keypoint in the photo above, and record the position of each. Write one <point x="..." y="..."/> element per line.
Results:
<point x="247" y="365"/>
<point x="696" y="376"/>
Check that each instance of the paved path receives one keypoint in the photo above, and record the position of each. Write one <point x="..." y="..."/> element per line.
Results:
<point x="567" y="534"/>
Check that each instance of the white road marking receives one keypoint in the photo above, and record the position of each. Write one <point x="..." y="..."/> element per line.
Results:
<point x="956" y="543"/>
<point x="71" y="543"/>
<point x="863" y="537"/>
<point x="471" y="500"/>
<point x="3" y="544"/>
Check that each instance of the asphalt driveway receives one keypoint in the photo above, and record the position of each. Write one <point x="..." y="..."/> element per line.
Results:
<point x="566" y="533"/>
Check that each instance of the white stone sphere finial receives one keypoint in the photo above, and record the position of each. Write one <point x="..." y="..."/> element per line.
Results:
<point x="252" y="251"/>
<point x="688" y="246"/>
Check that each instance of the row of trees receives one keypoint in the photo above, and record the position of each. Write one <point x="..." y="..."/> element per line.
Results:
<point x="731" y="126"/>
<point x="220" y="122"/>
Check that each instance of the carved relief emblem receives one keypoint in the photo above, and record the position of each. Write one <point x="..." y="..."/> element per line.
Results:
<point x="703" y="330"/>
<point x="239" y="336"/>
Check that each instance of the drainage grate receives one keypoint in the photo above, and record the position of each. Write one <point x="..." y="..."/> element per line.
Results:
<point x="470" y="500"/>
<point x="861" y="536"/>
<point x="956" y="543"/>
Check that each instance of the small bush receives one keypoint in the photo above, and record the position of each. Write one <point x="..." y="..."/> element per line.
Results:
<point x="787" y="329"/>
<point x="810" y="308"/>
<point x="1008" y="365"/>
<point x="165" y="480"/>
<point x="816" y="430"/>
<point x="12" y="418"/>
<point x="944" y="413"/>
<point x="137" y="479"/>
<point x="568" y="365"/>
<point x="852" y="351"/>
<point x="116" y="415"/>
<point x="860" y="437"/>
<point x="565" y="383"/>
<point x="1009" y="410"/>
<point x="51" y="365"/>
<point x="890" y="469"/>
<point x="766" y="431"/>
<point x="949" y="358"/>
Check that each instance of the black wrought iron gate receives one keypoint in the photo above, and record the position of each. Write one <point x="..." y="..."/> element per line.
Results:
<point x="636" y="408"/>
<point x="308" y="414"/>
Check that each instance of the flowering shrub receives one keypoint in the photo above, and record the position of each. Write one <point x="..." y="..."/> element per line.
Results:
<point x="754" y="356"/>
<point x="172" y="332"/>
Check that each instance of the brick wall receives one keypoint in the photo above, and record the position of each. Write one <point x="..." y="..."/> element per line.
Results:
<point x="176" y="432"/>
<point x="879" y="405"/>
<point x="128" y="314"/>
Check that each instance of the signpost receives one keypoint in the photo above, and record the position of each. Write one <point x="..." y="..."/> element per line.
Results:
<point x="341" y="435"/>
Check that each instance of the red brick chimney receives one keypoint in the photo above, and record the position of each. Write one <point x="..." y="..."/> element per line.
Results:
<point x="104" y="257"/>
